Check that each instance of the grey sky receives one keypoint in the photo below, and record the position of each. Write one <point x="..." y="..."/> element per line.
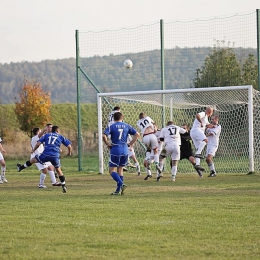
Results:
<point x="35" y="30"/>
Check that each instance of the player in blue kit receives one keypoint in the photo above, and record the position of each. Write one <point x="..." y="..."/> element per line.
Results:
<point x="51" y="153"/>
<point x="119" y="132"/>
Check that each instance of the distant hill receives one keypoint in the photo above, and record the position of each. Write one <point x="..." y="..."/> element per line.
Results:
<point x="107" y="73"/>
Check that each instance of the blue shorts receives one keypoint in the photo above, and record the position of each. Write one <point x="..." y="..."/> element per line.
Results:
<point x="42" y="158"/>
<point x="118" y="160"/>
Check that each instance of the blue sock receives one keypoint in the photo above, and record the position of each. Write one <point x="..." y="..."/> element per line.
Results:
<point x="117" y="179"/>
<point x="122" y="178"/>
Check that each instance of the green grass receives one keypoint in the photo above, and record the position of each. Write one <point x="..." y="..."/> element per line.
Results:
<point x="193" y="218"/>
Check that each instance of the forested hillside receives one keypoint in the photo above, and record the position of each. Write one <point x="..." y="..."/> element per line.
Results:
<point x="107" y="73"/>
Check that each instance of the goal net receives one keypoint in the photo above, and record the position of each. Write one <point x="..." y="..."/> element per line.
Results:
<point x="237" y="107"/>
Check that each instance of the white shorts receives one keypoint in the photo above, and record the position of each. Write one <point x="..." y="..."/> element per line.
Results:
<point x="150" y="141"/>
<point x="197" y="137"/>
<point x="174" y="151"/>
<point x="1" y="156"/>
<point x="41" y="166"/>
<point x="211" y="149"/>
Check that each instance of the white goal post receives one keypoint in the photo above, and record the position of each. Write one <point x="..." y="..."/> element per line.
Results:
<point x="237" y="107"/>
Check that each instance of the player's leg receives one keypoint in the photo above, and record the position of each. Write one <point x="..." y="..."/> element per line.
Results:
<point x="192" y="160"/>
<point x="62" y="178"/>
<point x="27" y="164"/>
<point x="175" y="157"/>
<point x="3" y="169"/>
<point x="123" y="161"/>
<point x="43" y="171"/>
<point x="42" y="178"/>
<point x="113" y="168"/>
<point x="211" y="150"/>
<point x="136" y="163"/>
<point x="51" y="171"/>
<point x="147" y="163"/>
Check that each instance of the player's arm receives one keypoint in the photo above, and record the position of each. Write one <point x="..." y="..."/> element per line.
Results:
<point x="2" y="149"/>
<point x="105" y="140"/>
<point x="69" y="149"/>
<point x="135" y="137"/>
<point x="198" y="117"/>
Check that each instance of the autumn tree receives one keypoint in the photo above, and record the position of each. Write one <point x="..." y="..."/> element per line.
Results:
<point x="33" y="110"/>
<point x="222" y="68"/>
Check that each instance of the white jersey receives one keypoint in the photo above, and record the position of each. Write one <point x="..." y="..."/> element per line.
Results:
<point x="144" y="123"/>
<point x="111" y="117"/>
<point x="171" y="135"/>
<point x="197" y="124"/>
<point x="213" y="140"/>
<point x="34" y="141"/>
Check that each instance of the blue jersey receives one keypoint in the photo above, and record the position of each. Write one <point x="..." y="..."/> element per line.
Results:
<point x="52" y="143"/>
<point x="119" y="132"/>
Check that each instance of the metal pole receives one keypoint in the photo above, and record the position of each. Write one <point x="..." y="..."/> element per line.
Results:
<point x="162" y="70"/>
<point x="251" y="128"/>
<point x="258" y="43"/>
<point x="78" y="103"/>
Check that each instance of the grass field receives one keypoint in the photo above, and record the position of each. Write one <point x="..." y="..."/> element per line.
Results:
<point x="193" y="218"/>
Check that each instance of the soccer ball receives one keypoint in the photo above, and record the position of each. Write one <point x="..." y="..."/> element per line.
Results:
<point x="128" y="64"/>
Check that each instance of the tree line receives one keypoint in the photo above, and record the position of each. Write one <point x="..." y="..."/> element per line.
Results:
<point x="184" y="68"/>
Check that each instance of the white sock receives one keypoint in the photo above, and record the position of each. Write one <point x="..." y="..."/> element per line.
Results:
<point x="156" y="158"/>
<point x="42" y="178"/>
<point x="137" y="166"/>
<point x="52" y="176"/>
<point x="211" y="166"/>
<point x="197" y="160"/>
<point x="201" y="147"/>
<point x="148" y="171"/>
<point x="174" y="171"/>
<point x="161" y="165"/>
<point x="3" y="169"/>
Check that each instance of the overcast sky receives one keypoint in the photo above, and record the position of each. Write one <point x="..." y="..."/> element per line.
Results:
<point x="36" y="30"/>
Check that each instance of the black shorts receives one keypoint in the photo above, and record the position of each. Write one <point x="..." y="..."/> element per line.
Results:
<point x="186" y="154"/>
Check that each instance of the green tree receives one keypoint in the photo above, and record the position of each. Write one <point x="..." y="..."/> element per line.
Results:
<point x="222" y="68"/>
<point x="34" y="107"/>
<point x="250" y="72"/>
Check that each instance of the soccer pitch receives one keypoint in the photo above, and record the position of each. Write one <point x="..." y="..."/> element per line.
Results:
<point x="193" y="218"/>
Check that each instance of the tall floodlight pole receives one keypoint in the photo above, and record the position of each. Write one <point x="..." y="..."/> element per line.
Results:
<point x="78" y="74"/>
<point x="162" y="70"/>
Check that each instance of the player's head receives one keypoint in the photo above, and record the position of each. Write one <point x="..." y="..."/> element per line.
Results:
<point x="36" y="130"/>
<point x="118" y="116"/>
<point x="169" y="123"/>
<point x="214" y="119"/>
<point x="49" y="127"/>
<point x="185" y="126"/>
<point x="209" y="111"/>
<point x="55" y="129"/>
<point x="116" y="109"/>
<point x="142" y="115"/>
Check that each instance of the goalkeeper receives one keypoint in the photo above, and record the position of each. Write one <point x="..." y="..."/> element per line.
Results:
<point x="186" y="149"/>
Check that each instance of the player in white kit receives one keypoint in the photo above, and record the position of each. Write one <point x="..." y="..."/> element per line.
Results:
<point x="212" y="145"/>
<point x="3" y="164"/>
<point x="170" y="135"/>
<point x="148" y="129"/>
<point x="43" y="168"/>
<point x="111" y="116"/>
<point x="197" y="134"/>
<point x="131" y="155"/>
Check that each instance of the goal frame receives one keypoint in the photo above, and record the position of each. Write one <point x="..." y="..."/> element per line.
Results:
<point x="249" y="89"/>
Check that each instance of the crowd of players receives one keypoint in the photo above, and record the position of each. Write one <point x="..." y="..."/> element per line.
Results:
<point x="172" y="140"/>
